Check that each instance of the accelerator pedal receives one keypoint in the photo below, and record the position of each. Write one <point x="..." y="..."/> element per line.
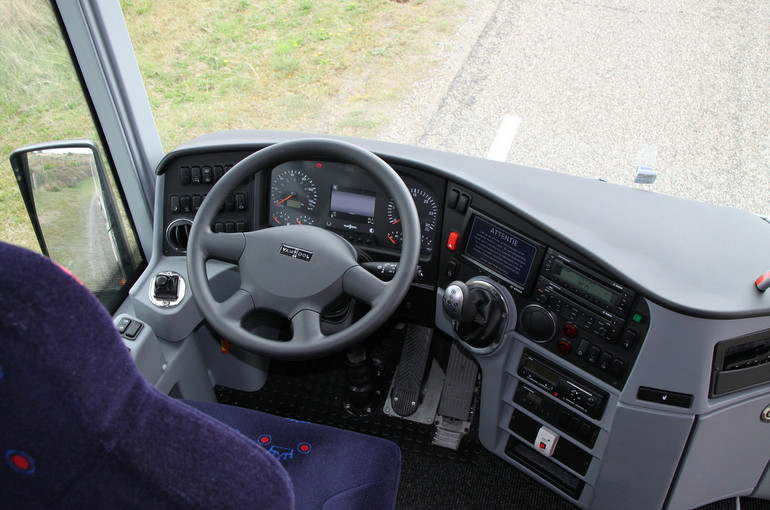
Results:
<point x="454" y="412"/>
<point x="407" y="382"/>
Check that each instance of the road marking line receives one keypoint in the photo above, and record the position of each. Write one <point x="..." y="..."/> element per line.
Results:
<point x="503" y="141"/>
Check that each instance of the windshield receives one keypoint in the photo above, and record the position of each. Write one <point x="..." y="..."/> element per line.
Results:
<point x="613" y="90"/>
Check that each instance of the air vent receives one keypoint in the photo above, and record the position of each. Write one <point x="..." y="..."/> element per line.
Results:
<point x="177" y="234"/>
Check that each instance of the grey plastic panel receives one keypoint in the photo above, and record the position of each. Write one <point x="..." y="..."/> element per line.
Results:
<point x="677" y="356"/>
<point x="238" y="369"/>
<point x="145" y="351"/>
<point x="726" y="456"/>
<point x="641" y="458"/>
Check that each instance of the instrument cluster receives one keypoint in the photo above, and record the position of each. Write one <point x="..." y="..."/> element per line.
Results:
<point x="342" y="198"/>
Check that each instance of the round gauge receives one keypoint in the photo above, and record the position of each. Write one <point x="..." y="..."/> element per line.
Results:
<point x="293" y="198"/>
<point x="285" y="217"/>
<point x="427" y="210"/>
<point x="394" y="238"/>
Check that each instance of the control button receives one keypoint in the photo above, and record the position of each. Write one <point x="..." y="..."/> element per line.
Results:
<point x="585" y="431"/>
<point x="132" y="330"/>
<point x="185" y="175"/>
<point x="564" y="347"/>
<point x="207" y="175"/>
<point x="593" y="354"/>
<point x="574" y="424"/>
<point x="670" y="398"/>
<point x="219" y="227"/>
<point x="564" y="419"/>
<point x="638" y="318"/>
<point x="240" y="226"/>
<point x="582" y="349"/>
<point x="218" y="173"/>
<point x="196" y="175"/>
<point x="240" y="201"/>
<point x="604" y="360"/>
<point x="570" y="330"/>
<point x="230" y="227"/>
<point x="123" y="324"/>
<point x="451" y="268"/>
<point x="451" y="242"/>
<point x="629" y="339"/>
<point x="617" y="367"/>
<point x="197" y="200"/>
<point x="454" y="196"/>
<point x="185" y="203"/>
<point x="542" y="298"/>
<point x="230" y="203"/>
<point x="463" y="203"/>
<point x="174" y="204"/>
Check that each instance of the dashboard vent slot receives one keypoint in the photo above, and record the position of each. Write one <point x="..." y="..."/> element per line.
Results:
<point x="177" y="235"/>
<point x="741" y="363"/>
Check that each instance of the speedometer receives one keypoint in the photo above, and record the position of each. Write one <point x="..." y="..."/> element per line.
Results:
<point x="293" y="198"/>
<point x="427" y="210"/>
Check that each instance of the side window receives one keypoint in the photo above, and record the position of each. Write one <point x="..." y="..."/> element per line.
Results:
<point x="59" y="196"/>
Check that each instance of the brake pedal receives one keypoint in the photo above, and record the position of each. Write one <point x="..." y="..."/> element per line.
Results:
<point x="407" y="382"/>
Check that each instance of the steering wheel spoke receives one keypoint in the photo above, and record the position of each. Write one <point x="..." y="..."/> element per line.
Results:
<point x="306" y="327"/>
<point x="224" y="247"/>
<point x="362" y="285"/>
<point x="237" y="306"/>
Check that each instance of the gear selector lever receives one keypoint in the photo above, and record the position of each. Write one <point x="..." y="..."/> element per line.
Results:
<point x="477" y="311"/>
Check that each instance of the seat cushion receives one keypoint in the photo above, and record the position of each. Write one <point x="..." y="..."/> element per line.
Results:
<point x="330" y="468"/>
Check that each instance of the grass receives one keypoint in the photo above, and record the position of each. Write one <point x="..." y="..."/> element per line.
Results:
<point x="328" y="66"/>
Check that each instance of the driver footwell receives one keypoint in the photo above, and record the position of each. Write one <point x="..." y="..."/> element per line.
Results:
<point x="432" y="476"/>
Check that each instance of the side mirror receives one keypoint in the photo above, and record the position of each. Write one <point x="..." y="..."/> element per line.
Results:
<point x="76" y="219"/>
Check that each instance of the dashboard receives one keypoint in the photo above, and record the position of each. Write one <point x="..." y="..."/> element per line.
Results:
<point x="635" y="332"/>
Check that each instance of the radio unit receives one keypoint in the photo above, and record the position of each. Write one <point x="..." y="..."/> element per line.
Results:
<point x="592" y="288"/>
<point x="564" y="386"/>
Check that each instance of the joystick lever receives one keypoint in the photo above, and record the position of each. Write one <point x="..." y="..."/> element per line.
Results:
<point x="476" y="310"/>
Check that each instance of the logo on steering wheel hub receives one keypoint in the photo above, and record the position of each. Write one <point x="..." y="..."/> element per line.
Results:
<point x="296" y="253"/>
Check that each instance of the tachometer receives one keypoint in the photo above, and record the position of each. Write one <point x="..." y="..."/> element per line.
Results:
<point x="293" y="198"/>
<point x="427" y="209"/>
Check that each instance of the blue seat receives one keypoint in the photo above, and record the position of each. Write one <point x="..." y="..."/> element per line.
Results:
<point x="80" y="428"/>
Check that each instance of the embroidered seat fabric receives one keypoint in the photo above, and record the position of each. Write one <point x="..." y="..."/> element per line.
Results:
<point x="80" y="428"/>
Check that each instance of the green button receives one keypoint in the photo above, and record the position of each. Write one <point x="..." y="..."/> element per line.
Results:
<point x="637" y="318"/>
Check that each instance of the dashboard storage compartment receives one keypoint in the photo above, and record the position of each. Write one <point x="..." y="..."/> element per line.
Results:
<point x="740" y="363"/>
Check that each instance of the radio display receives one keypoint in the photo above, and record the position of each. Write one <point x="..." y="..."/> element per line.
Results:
<point x="586" y="285"/>
<point x="500" y="251"/>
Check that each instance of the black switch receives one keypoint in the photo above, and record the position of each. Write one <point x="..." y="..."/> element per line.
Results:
<point x="175" y="206"/>
<point x="197" y="178"/>
<point x="593" y="354"/>
<point x="582" y="349"/>
<point x="123" y="324"/>
<point x="184" y="175"/>
<point x="132" y="330"/>
<point x="240" y="201"/>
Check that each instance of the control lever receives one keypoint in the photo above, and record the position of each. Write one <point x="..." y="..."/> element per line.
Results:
<point x="387" y="270"/>
<point x="476" y="309"/>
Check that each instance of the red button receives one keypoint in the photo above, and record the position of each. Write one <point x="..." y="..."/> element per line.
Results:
<point x="451" y="242"/>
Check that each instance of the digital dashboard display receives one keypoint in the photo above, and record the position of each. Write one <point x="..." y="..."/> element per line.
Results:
<point x="352" y="202"/>
<point x="586" y="285"/>
<point x="500" y="250"/>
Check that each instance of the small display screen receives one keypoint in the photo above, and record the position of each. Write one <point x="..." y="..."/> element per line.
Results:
<point x="500" y="251"/>
<point x="538" y="369"/>
<point x="352" y="202"/>
<point x="586" y="285"/>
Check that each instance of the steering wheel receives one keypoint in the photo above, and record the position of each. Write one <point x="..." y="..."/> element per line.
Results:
<point x="296" y="271"/>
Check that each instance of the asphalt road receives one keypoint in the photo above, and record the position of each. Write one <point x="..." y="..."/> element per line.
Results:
<point x="585" y="87"/>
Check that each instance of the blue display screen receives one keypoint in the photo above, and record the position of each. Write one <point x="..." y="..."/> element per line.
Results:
<point x="500" y="250"/>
